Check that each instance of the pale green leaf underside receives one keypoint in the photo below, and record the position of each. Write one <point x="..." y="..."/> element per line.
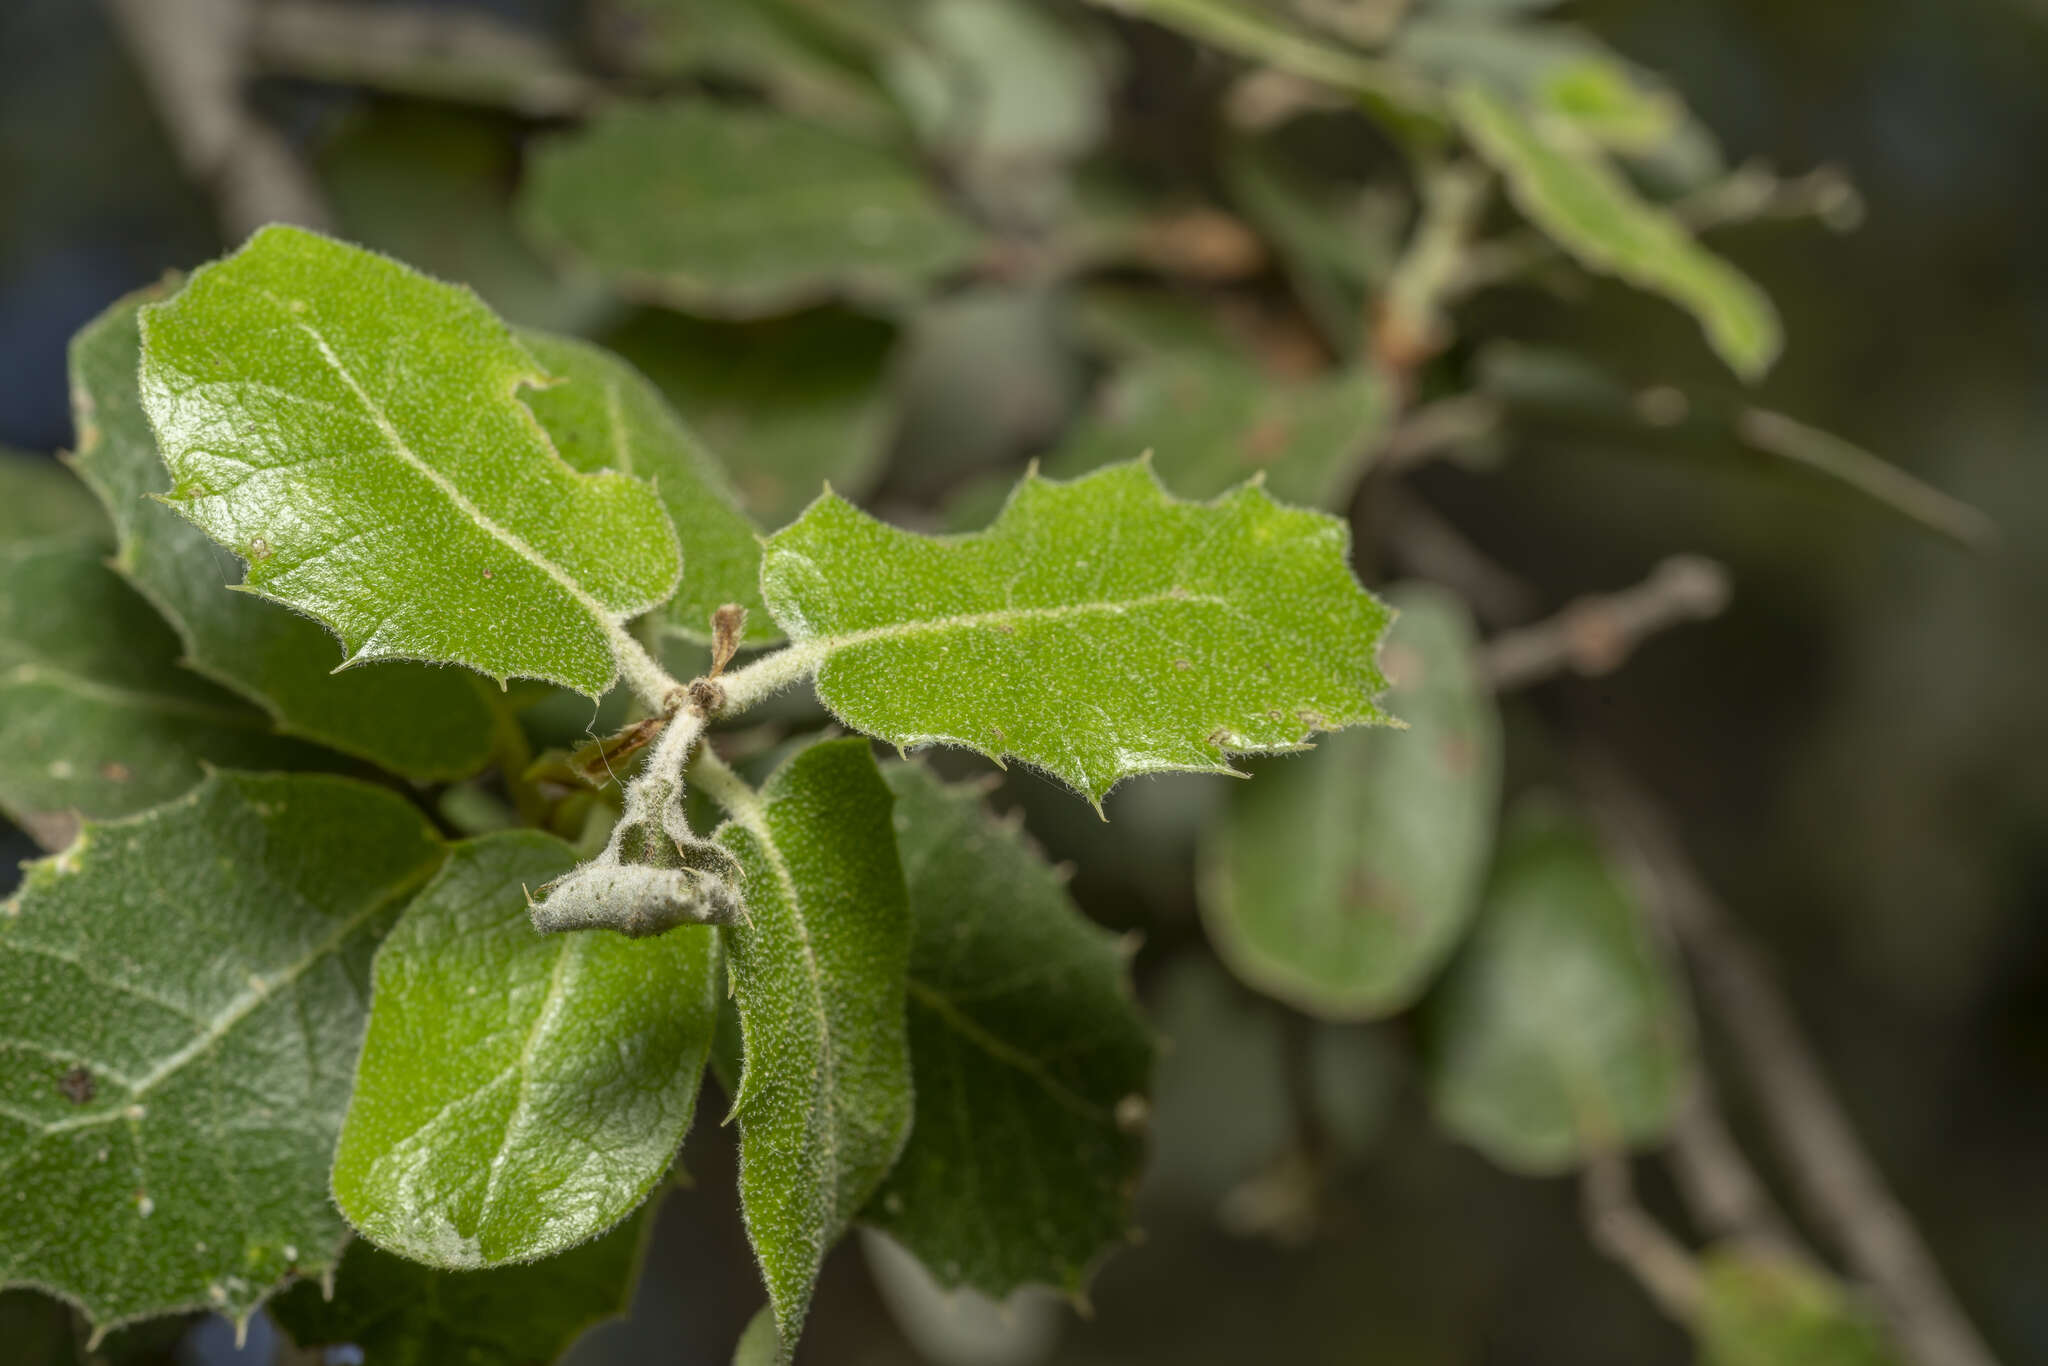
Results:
<point x="788" y="404"/>
<point x="1030" y="1057"/>
<point x="1557" y="1032"/>
<point x="824" y="1103"/>
<point x="1761" y="1311"/>
<point x="423" y="722"/>
<point x="40" y="502"/>
<point x="518" y="1093"/>
<point x="1213" y="422"/>
<point x="1099" y="629"/>
<point x="96" y="718"/>
<point x="353" y="430"/>
<point x="1566" y="186"/>
<point x="1343" y="878"/>
<point x="741" y="212"/>
<point x="606" y="415"/>
<point x="181" y="999"/>
<point x="403" y="1314"/>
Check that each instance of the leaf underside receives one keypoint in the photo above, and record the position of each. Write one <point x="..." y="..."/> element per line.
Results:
<point x="1098" y="630"/>
<point x="824" y="1103"/>
<point x="353" y="430"/>
<point x="1031" y="1059"/>
<point x="503" y="1124"/>
<point x="181" y="999"/>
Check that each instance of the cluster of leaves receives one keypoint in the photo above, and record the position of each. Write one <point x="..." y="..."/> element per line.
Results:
<point x="290" y="954"/>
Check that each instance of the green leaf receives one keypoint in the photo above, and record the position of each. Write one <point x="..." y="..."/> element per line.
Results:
<point x="1099" y="629"/>
<point x="824" y="1102"/>
<point x="1763" y="1311"/>
<point x="1006" y="86"/>
<point x="741" y="212"/>
<point x="518" y="1094"/>
<point x="96" y="717"/>
<point x="40" y="502"/>
<point x="788" y="404"/>
<point x="607" y="415"/>
<point x="1030" y="1056"/>
<point x="759" y="1345"/>
<point x="1566" y="186"/>
<point x="353" y="430"/>
<point x="400" y="1313"/>
<point x="425" y="723"/>
<point x="1213" y="422"/>
<point x="1344" y="878"/>
<point x="181" y="999"/>
<point x="1557" y="1031"/>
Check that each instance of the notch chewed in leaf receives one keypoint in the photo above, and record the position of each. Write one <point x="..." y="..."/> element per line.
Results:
<point x="354" y="431"/>
<point x="1099" y="629"/>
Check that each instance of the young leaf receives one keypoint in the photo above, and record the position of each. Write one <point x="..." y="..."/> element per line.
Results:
<point x="1211" y="423"/>
<point x="399" y="1313"/>
<point x="353" y="430"/>
<point x="759" y="1345"/>
<point x="1030" y="1056"/>
<point x="1557" y="1031"/>
<point x="1770" y="1312"/>
<point x="1099" y="629"/>
<point x="181" y="999"/>
<point x="1561" y="180"/>
<point x="741" y="212"/>
<point x="40" y="502"/>
<point x="1344" y="878"/>
<point x="824" y="1103"/>
<point x="788" y="404"/>
<point x="96" y="717"/>
<point x="606" y="415"/>
<point x="518" y="1094"/>
<point x="425" y="723"/>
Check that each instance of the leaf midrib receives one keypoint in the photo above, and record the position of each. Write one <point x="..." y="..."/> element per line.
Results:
<point x="827" y="645"/>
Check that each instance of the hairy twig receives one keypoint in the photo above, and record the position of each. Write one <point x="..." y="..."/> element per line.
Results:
<point x="1625" y="1231"/>
<point x="1837" y="1181"/>
<point x="193" y="55"/>
<point x="1596" y="635"/>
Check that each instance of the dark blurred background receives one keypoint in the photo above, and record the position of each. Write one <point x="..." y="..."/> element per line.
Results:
<point x="1859" y="747"/>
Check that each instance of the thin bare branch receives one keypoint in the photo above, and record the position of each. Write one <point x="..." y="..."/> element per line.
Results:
<point x="1837" y="1182"/>
<point x="1720" y="1187"/>
<point x="1790" y="439"/>
<point x="193" y="58"/>
<point x="1427" y="546"/>
<point x="1627" y="1232"/>
<point x="1596" y="635"/>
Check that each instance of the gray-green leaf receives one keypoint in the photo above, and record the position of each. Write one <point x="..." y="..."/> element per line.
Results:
<point x="352" y="429"/>
<point x="1557" y="1031"/>
<point x="399" y="1313"/>
<point x="741" y="212"/>
<point x="40" y="502"/>
<point x="1030" y="1056"/>
<point x="423" y="722"/>
<point x="96" y="718"/>
<point x="1344" y="878"/>
<point x="607" y="415"/>
<point x="518" y="1094"/>
<point x="1213" y="422"/>
<point x="181" y="1000"/>
<point x="1559" y="177"/>
<point x="1099" y="629"/>
<point x="818" y="967"/>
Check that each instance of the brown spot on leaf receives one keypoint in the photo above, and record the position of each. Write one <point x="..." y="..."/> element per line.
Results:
<point x="1183" y="665"/>
<point x="1267" y="441"/>
<point x="115" y="772"/>
<point x="78" y="1086"/>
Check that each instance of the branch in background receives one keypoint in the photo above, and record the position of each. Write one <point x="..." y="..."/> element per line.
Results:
<point x="1836" y="1179"/>
<point x="1790" y="439"/>
<point x="1442" y="428"/>
<point x="454" y="54"/>
<point x="1596" y="635"/>
<point x="192" y="55"/>
<point x="1427" y="546"/>
<point x="1409" y="326"/>
<point x="1626" y="1232"/>
<point x="1720" y="1187"/>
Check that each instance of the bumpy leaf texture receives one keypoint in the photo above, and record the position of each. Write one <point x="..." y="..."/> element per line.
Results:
<point x="1099" y="629"/>
<point x="1343" y="878"/>
<point x="1558" y="1031"/>
<point x="181" y="1000"/>
<point x="1031" y="1059"/>
<point x="353" y="430"/>
<point x="422" y="722"/>
<point x="518" y="1093"/>
<point x="824" y="1103"/>
<point x="742" y="212"/>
